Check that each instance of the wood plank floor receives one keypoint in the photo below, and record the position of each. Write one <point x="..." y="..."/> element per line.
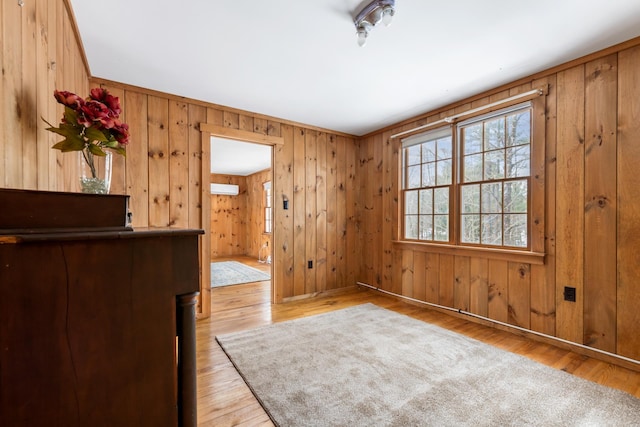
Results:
<point x="225" y="400"/>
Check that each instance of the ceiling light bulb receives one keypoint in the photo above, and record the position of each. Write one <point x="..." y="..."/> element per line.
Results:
<point x="387" y="15"/>
<point x="362" y="36"/>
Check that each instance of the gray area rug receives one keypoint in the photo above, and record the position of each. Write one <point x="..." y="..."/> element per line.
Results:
<point x="225" y="273"/>
<point x="368" y="366"/>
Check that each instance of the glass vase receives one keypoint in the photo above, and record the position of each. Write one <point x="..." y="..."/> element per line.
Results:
<point x="95" y="172"/>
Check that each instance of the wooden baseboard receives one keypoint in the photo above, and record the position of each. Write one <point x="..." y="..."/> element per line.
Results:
<point x="581" y="349"/>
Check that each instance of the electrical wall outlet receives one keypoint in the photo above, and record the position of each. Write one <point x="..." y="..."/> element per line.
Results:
<point x="309" y="264"/>
<point x="569" y="294"/>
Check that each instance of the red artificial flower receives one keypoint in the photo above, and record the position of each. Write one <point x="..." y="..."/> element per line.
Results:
<point x="121" y="132"/>
<point x="68" y="99"/>
<point x="112" y="102"/>
<point x="95" y="111"/>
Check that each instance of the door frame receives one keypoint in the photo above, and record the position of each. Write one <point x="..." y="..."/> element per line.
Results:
<point x="207" y="130"/>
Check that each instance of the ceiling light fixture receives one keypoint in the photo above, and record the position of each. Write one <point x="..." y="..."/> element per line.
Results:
<point x="372" y="14"/>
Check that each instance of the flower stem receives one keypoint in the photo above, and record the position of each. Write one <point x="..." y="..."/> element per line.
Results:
<point x="88" y="157"/>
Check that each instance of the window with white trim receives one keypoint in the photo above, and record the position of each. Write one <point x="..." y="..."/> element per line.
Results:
<point x="469" y="183"/>
<point x="267" y="207"/>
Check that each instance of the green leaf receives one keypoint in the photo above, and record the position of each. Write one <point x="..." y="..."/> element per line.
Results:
<point x="120" y="150"/>
<point x="96" y="150"/>
<point x="94" y="134"/>
<point x="70" y="115"/>
<point x="69" y="144"/>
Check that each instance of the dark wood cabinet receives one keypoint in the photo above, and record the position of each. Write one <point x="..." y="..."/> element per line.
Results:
<point x="97" y="327"/>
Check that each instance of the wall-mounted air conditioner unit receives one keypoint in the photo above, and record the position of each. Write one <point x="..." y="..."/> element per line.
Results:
<point x="224" y="189"/>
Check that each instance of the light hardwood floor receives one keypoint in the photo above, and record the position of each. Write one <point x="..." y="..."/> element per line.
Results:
<point x="225" y="400"/>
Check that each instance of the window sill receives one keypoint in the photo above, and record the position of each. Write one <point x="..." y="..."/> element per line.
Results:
<point x="501" y="254"/>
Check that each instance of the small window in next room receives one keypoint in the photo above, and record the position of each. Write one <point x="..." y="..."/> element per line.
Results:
<point x="267" y="207"/>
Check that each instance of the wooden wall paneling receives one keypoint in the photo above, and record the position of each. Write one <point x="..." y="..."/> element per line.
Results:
<point x="570" y="203"/>
<point x="228" y="223"/>
<point x="251" y="217"/>
<point x="600" y="214"/>
<point x="543" y="291"/>
<point x="53" y="47"/>
<point x="446" y="281"/>
<point x="432" y="287"/>
<point x="389" y="193"/>
<point x="158" y="162"/>
<point x="341" y="210"/>
<point x="462" y="283"/>
<point x="368" y="189"/>
<point x="419" y="288"/>
<point x="60" y="80"/>
<point x="178" y="164"/>
<point x="260" y="125"/>
<point x="245" y="122"/>
<point x="321" y="212"/>
<point x="378" y="212"/>
<point x="198" y="205"/>
<point x="137" y="162"/>
<point x="352" y="258"/>
<point x="311" y="152"/>
<point x="298" y="203"/>
<point x="255" y="236"/>
<point x="628" y="315"/>
<point x="28" y="95"/>
<point x="408" y="265"/>
<point x="43" y="92"/>
<point x="478" y="286"/>
<point x="196" y="115"/>
<point x="68" y="171"/>
<point x="519" y="294"/>
<point x="498" y="291"/>
<point x="283" y="246"/>
<point x="12" y="99"/>
<point x="274" y="128"/>
<point x="231" y="119"/>
<point x="331" y="207"/>
<point x="3" y="102"/>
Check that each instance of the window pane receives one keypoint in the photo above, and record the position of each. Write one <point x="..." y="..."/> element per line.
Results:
<point x="472" y="137"/>
<point x="428" y="175"/>
<point x="443" y="172"/>
<point x="518" y="161"/>
<point x="494" y="165"/>
<point x="411" y="226"/>
<point x="494" y="134"/>
<point x="428" y="151"/>
<point x="515" y="230"/>
<point x="492" y="197"/>
<point x="471" y="198"/>
<point x="426" y="227"/>
<point x="515" y="196"/>
<point x="519" y="129"/>
<point x="441" y="226"/>
<point x="441" y="200"/>
<point x="444" y="148"/>
<point x="491" y="230"/>
<point x="473" y="168"/>
<point x="413" y="155"/>
<point x="470" y="229"/>
<point x="413" y="177"/>
<point x="426" y="201"/>
<point x="411" y="202"/>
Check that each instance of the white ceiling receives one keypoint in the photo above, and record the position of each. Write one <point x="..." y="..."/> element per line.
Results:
<point x="238" y="158"/>
<point x="299" y="60"/>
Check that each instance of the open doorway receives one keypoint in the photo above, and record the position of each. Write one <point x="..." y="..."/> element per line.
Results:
<point x="241" y="217"/>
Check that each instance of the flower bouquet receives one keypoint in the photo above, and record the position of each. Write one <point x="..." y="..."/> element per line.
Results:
<point x="91" y="126"/>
